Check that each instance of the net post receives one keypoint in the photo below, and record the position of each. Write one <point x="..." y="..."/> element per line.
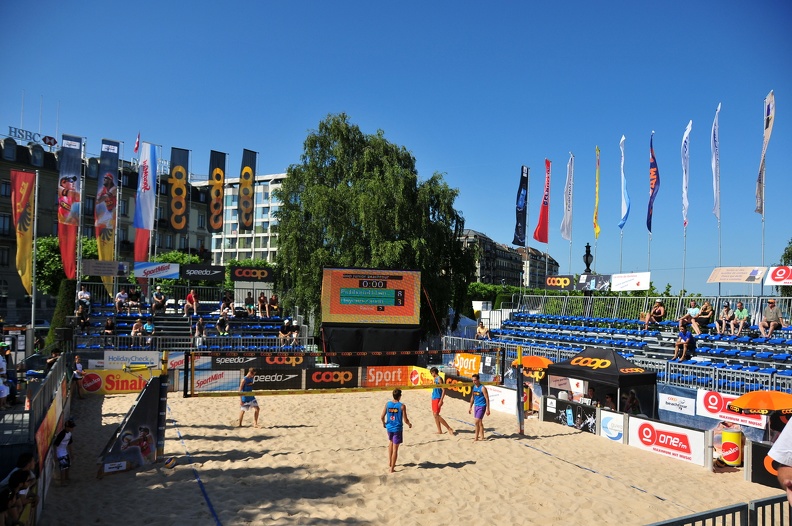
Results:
<point x="520" y="403"/>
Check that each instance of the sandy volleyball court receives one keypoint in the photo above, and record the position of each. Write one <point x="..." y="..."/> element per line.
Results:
<point x="321" y="459"/>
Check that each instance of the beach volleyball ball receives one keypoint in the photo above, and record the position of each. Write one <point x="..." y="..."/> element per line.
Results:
<point x="170" y="463"/>
<point x="126" y="437"/>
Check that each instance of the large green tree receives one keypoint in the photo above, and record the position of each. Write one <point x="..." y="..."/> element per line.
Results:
<point x="49" y="265"/>
<point x="786" y="259"/>
<point x="355" y="200"/>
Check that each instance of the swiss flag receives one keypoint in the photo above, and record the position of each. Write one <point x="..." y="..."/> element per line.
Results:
<point x="137" y="143"/>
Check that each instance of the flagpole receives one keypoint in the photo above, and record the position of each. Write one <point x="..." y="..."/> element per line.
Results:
<point x="720" y="264"/>
<point x="684" y="254"/>
<point x="80" y="219"/>
<point x="33" y="270"/>
<point x="621" y="244"/>
<point x="649" y="254"/>
<point x="764" y="178"/>
<point x="595" y="255"/>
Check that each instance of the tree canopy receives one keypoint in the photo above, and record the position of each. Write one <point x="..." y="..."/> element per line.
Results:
<point x="786" y="260"/>
<point x="355" y="200"/>
<point x="49" y="265"/>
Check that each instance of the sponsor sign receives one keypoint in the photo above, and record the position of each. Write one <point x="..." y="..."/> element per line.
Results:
<point x="611" y="425"/>
<point x="235" y="362"/>
<point x="287" y="379"/>
<point x="779" y="276"/>
<point x="420" y="376"/>
<point x="631" y="281"/>
<point x="467" y="364"/>
<point x="251" y="274"/>
<point x="93" y="267"/>
<point x="551" y="405"/>
<point x="287" y="361"/>
<point x="203" y="272"/>
<point x="737" y="275"/>
<point x="217" y="380"/>
<point x="463" y="391"/>
<point x="176" y="361"/>
<point x="713" y="404"/>
<point x="677" y="404"/>
<point x="502" y="399"/>
<point x="593" y="282"/>
<point x="118" y="359"/>
<point x="560" y="282"/>
<point x="331" y="378"/>
<point x="150" y="270"/>
<point x="113" y="382"/>
<point x="571" y="414"/>
<point x="114" y="467"/>
<point x="764" y="470"/>
<point x="390" y="376"/>
<point x="671" y="441"/>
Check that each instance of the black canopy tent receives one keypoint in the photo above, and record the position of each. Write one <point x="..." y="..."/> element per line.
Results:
<point x="607" y="367"/>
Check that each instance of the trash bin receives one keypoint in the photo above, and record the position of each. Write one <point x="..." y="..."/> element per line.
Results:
<point x="731" y="448"/>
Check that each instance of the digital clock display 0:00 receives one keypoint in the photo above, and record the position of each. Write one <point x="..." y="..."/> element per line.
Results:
<point x="372" y="284"/>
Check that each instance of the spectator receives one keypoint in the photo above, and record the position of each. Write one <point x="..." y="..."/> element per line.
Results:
<point x="287" y="335"/>
<point x="781" y="452"/>
<point x="631" y="404"/>
<point x="482" y="332"/>
<point x="199" y="332"/>
<point x="77" y="375"/>
<point x="741" y="318"/>
<point x="222" y="325"/>
<point x="84" y="298"/>
<point x="227" y="304"/>
<point x="133" y="301"/>
<point x="14" y="497"/>
<point x="771" y="319"/>
<point x="610" y="402"/>
<point x="11" y="374"/>
<point x="4" y="390"/>
<point x="250" y="304"/>
<point x="52" y="359"/>
<point x="121" y="300"/>
<point x="725" y="319"/>
<point x="656" y="315"/>
<point x="38" y="343"/>
<point x="82" y="317"/>
<point x="25" y="462"/>
<point x="137" y="332"/>
<point x="692" y="312"/>
<point x="158" y="300"/>
<point x="704" y="317"/>
<point x="263" y="306"/>
<point x="191" y="303"/>
<point x="63" y="450"/>
<point x="148" y="329"/>
<point x="273" y="306"/>
<point x="683" y="345"/>
<point x="109" y="329"/>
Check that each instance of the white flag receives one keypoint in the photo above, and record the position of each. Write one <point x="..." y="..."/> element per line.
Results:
<point x="147" y="187"/>
<point x="715" y="145"/>
<point x="625" y="209"/>
<point x="566" y="223"/>
<point x="769" y="117"/>
<point x="685" y="170"/>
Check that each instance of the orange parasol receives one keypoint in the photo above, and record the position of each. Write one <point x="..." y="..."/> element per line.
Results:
<point x="534" y="363"/>
<point x="761" y="403"/>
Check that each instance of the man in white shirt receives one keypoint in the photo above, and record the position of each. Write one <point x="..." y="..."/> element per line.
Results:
<point x="781" y="452"/>
<point x="121" y="300"/>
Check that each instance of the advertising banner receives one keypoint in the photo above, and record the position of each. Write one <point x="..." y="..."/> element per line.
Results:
<point x="420" y="376"/>
<point x="22" y="210"/>
<point x="179" y="195"/>
<point x="217" y="162"/>
<point x="502" y="399"/>
<point x="103" y="381"/>
<point x="565" y="282"/>
<point x="119" y="359"/>
<point x="611" y="426"/>
<point x="737" y="275"/>
<point x="274" y="380"/>
<point x="521" y="208"/>
<point x="386" y="376"/>
<point x="69" y="197"/>
<point x="631" y="281"/>
<point x="176" y="361"/>
<point x="150" y="270"/>
<point x="671" y="441"/>
<point x="251" y="274"/>
<point x="712" y="404"/>
<point x="571" y="414"/>
<point x="764" y="470"/>
<point x="94" y="267"/>
<point x="203" y="272"/>
<point x="593" y="282"/>
<point x="208" y="380"/>
<point x="247" y="176"/>
<point x="331" y="378"/>
<point x="463" y="391"/>
<point x="467" y="364"/>
<point x="677" y="404"/>
<point x="779" y="276"/>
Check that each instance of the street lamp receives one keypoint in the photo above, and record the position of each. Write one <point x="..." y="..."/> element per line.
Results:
<point x="588" y="259"/>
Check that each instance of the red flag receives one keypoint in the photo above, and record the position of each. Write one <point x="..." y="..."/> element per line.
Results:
<point x="540" y="234"/>
<point x="137" y="143"/>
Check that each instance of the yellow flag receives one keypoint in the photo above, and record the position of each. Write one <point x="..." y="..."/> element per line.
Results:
<point x="22" y="184"/>
<point x="596" y="199"/>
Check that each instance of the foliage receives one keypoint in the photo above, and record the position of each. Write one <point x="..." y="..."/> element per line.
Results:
<point x="786" y="259"/>
<point x="180" y="258"/>
<point x="355" y="201"/>
<point x="64" y="308"/>
<point x="49" y="265"/>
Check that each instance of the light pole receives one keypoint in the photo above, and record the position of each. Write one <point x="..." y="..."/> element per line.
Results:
<point x="588" y="259"/>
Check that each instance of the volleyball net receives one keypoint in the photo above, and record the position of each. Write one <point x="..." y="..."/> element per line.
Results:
<point x="219" y="373"/>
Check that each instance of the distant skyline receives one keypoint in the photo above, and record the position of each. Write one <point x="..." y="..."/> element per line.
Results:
<point x="473" y="90"/>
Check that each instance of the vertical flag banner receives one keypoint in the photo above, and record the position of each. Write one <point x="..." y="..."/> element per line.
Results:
<point x="247" y="176"/>
<point x="540" y="233"/>
<point x="69" y="186"/>
<point x="22" y="206"/>
<point x="596" y="196"/>
<point x="179" y="166"/>
<point x="522" y="208"/>
<point x="137" y="143"/>
<point x="769" y="117"/>
<point x="685" y="171"/>
<point x="146" y="200"/>
<point x="625" y="199"/>
<point x="105" y="206"/>
<point x="715" y="146"/>
<point x="566" y="223"/>
<point x="654" y="183"/>
<point x="217" y="162"/>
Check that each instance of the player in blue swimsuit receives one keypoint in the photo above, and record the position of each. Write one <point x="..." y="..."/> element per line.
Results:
<point x="248" y="402"/>
<point x="479" y="399"/>
<point x="394" y="416"/>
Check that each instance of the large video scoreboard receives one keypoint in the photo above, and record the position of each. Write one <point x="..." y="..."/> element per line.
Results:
<point x="366" y="296"/>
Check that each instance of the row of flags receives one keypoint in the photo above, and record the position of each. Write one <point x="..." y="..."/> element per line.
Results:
<point x="70" y="198"/>
<point x="541" y="231"/>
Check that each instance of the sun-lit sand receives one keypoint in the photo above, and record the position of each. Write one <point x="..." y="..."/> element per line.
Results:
<point x="321" y="459"/>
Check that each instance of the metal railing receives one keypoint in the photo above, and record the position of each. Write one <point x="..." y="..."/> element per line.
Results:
<point x="772" y="511"/>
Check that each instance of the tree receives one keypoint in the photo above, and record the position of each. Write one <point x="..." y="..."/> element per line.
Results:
<point x="49" y="265"/>
<point x="786" y="260"/>
<point x="355" y="200"/>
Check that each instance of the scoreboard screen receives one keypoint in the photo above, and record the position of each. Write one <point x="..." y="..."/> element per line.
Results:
<point x="366" y="296"/>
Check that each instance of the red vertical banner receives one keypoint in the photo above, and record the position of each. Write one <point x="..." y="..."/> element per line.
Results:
<point x="22" y="185"/>
<point x="69" y="185"/>
<point x="540" y="234"/>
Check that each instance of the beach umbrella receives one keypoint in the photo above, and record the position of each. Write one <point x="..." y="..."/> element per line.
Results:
<point x="534" y="363"/>
<point x="761" y="402"/>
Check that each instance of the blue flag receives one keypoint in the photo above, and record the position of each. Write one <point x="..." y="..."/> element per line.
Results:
<point x="522" y="208"/>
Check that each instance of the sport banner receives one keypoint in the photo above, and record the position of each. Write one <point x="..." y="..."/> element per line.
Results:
<point x="105" y="210"/>
<point x="151" y="270"/>
<point x="146" y="199"/>
<point x="69" y="186"/>
<point x="179" y="166"/>
<point x="217" y="162"/>
<point x="247" y="176"/>
<point x="22" y="206"/>
<point x="522" y="208"/>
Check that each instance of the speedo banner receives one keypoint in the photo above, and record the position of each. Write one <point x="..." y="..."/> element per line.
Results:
<point x="247" y="177"/>
<point x="217" y="162"/>
<point x="203" y="272"/>
<point x="180" y="160"/>
<point x="331" y="378"/>
<point x="252" y="274"/>
<point x="560" y="283"/>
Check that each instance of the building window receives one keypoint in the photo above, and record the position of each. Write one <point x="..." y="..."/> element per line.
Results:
<point x="124" y="179"/>
<point x="5" y="256"/>
<point x="123" y="207"/>
<point x="88" y="231"/>
<point x="5" y="189"/>
<point x="160" y="212"/>
<point x="163" y="188"/>
<point x="169" y="241"/>
<point x="183" y="241"/>
<point x="122" y="234"/>
<point x="88" y="209"/>
<point x="201" y="220"/>
<point x="202" y="197"/>
<point x="6" y="227"/>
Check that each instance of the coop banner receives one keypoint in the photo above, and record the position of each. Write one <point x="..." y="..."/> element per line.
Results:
<point x="217" y="162"/>
<point x="247" y="176"/>
<point x="180" y="160"/>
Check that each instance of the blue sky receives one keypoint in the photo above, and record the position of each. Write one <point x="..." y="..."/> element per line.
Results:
<point x="474" y="90"/>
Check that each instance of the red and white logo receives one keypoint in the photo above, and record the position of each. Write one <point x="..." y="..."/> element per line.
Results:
<point x="92" y="382"/>
<point x="730" y="452"/>
<point x="779" y="276"/>
<point x="651" y="436"/>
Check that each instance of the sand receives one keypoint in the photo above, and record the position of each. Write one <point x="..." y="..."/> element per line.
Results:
<point x="321" y="459"/>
